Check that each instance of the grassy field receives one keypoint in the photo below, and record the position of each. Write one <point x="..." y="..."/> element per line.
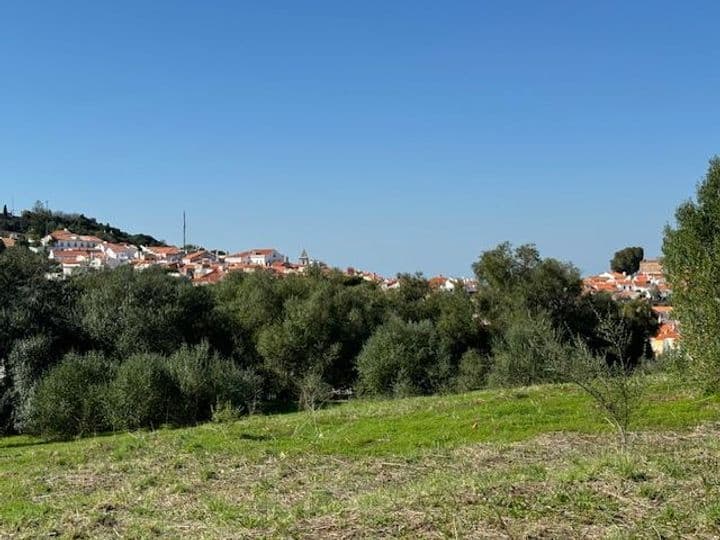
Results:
<point x="534" y="462"/>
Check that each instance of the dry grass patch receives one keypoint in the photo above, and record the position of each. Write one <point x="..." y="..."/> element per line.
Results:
<point x="483" y="465"/>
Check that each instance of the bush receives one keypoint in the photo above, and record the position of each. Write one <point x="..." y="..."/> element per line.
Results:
<point x="243" y="388"/>
<point x="144" y="394"/>
<point x="193" y="370"/>
<point x="403" y="358"/>
<point x="28" y="361"/>
<point x="522" y="356"/>
<point x="675" y="362"/>
<point x="71" y="399"/>
<point x="185" y="388"/>
<point x="617" y="389"/>
<point x="208" y="381"/>
<point x="314" y="391"/>
<point x="473" y="371"/>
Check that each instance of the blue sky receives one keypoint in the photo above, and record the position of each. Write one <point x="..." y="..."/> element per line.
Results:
<point x="387" y="135"/>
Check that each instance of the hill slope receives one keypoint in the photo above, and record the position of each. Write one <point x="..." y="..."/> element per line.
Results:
<point x="537" y="461"/>
<point x="39" y="221"/>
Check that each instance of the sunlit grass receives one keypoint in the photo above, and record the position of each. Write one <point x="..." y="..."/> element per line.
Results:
<point x="537" y="460"/>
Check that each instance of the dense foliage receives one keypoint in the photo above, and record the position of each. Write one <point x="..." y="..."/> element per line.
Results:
<point x="692" y="263"/>
<point x="40" y="221"/>
<point x="627" y="260"/>
<point x="124" y="349"/>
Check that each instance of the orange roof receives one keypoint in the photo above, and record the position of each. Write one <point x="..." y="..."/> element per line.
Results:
<point x="116" y="247"/>
<point x="164" y="250"/>
<point x="61" y="234"/>
<point x="249" y="253"/>
<point x="9" y="242"/>
<point x="662" y="309"/>
<point x="64" y="234"/>
<point x="209" y="278"/>
<point x="668" y="331"/>
<point x="196" y="255"/>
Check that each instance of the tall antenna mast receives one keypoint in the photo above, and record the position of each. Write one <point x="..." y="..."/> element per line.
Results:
<point x="184" y="231"/>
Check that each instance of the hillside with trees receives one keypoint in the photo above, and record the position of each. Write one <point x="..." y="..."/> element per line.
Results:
<point x="549" y="414"/>
<point x="40" y="220"/>
<point x="147" y="348"/>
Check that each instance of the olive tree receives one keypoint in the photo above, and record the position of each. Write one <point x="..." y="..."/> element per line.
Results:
<point x="692" y="263"/>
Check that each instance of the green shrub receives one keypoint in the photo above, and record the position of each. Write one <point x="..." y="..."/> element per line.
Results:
<point x="617" y="389"/>
<point x="523" y="355"/>
<point x="225" y="413"/>
<point x="314" y="391"/>
<point x="71" y="399"/>
<point x="675" y="362"/>
<point x="193" y="371"/>
<point x="144" y="393"/>
<point x="28" y="360"/>
<point x="473" y="371"/>
<point x="206" y="381"/>
<point x="403" y="358"/>
<point x="243" y="388"/>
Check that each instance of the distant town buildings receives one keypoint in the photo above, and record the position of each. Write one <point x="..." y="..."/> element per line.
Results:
<point x="81" y="253"/>
<point x="650" y="283"/>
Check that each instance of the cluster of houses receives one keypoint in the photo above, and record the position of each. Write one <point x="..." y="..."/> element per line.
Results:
<point x="648" y="282"/>
<point x="76" y="253"/>
<point x="79" y="253"/>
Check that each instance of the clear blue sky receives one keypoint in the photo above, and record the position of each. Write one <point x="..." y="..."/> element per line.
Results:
<point x="389" y="135"/>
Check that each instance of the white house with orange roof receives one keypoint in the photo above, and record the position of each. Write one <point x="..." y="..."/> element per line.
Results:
<point x="442" y="283"/>
<point x="65" y="239"/>
<point x="162" y="254"/>
<point x="73" y="261"/>
<point x="117" y="254"/>
<point x="200" y="256"/>
<point x="259" y="257"/>
<point x="666" y="339"/>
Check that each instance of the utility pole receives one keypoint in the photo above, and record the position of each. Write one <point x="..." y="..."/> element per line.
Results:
<point x="184" y="231"/>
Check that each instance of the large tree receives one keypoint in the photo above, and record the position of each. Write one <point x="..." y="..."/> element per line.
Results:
<point x="627" y="260"/>
<point x="31" y="306"/>
<point x="692" y="264"/>
<point x="511" y="280"/>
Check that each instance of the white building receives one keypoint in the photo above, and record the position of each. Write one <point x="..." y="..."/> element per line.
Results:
<point x="259" y="257"/>
<point x="64" y="239"/>
<point x="165" y="254"/>
<point x="117" y="254"/>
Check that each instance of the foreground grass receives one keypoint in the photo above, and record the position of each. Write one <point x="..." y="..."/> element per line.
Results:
<point x="530" y="462"/>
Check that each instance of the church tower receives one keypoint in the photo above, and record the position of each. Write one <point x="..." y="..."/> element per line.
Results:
<point x="304" y="259"/>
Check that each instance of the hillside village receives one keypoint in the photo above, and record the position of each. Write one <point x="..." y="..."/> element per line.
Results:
<point x="76" y="253"/>
<point x="649" y="282"/>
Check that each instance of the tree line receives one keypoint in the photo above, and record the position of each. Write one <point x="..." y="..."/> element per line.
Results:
<point x="41" y="220"/>
<point x="122" y="349"/>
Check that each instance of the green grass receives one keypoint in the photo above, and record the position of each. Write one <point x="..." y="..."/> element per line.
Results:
<point x="537" y="461"/>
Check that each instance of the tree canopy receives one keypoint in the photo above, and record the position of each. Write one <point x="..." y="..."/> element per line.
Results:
<point x="627" y="260"/>
<point x="169" y="352"/>
<point x="40" y="221"/>
<point x="692" y="263"/>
